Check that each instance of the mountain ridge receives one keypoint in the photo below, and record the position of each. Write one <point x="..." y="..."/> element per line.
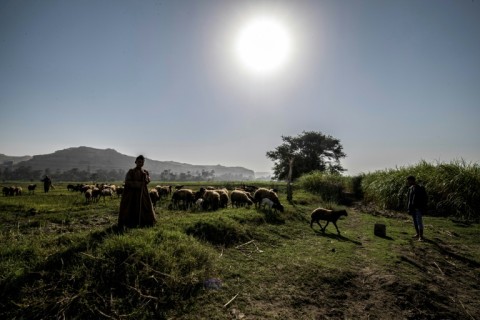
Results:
<point x="93" y="159"/>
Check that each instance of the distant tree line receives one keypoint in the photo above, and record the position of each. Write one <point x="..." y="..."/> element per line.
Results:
<point x="27" y="174"/>
<point x="204" y="175"/>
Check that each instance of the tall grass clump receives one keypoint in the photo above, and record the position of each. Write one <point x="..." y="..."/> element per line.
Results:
<point x="453" y="188"/>
<point x="219" y="231"/>
<point x="328" y="186"/>
<point x="142" y="274"/>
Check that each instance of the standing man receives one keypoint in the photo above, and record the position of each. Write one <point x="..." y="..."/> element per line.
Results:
<point x="416" y="205"/>
<point x="47" y="183"/>
<point x="136" y="209"/>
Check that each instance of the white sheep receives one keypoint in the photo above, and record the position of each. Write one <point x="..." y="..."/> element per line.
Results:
<point x="266" y="202"/>
<point x="262" y="193"/>
<point x="198" y="204"/>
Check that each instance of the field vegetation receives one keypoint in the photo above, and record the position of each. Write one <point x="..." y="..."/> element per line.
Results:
<point x="64" y="258"/>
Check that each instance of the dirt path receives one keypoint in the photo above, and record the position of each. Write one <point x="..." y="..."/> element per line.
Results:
<point x="430" y="281"/>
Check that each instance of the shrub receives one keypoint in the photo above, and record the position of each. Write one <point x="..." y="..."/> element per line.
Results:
<point x="328" y="186"/>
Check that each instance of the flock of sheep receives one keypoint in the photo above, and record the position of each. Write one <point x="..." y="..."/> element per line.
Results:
<point x="205" y="199"/>
<point x="93" y="192"/>
<point x="211" y="198"/>
<point x="17" y="190"/>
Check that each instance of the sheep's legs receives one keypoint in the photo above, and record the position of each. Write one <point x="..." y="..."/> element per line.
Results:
<point x="318" y="222"/>
<point x="336" y="227"/>
<point x="326" y="226"/>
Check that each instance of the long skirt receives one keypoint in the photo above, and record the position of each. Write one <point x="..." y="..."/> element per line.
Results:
<point x="136" y="209"/>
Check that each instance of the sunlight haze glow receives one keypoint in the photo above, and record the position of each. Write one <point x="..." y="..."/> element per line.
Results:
<point x="263" y="45"/>
<point x="220" y="82"/>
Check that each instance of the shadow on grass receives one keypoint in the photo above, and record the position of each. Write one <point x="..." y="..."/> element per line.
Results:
<point x="384" y="237"/>
<point x="336" y="237"/>
<point x="462" y="223"/>
<point x="444" y="250"/>
<point x="274" y="218"/>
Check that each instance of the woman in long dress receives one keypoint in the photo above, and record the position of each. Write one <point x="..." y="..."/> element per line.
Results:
<point x="136" y="209"/>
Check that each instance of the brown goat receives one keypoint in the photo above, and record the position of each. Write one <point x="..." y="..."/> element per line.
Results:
<point x="327" y="215"/>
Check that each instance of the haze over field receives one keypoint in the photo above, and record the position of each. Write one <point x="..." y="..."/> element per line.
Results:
<point x="219" y="82"/>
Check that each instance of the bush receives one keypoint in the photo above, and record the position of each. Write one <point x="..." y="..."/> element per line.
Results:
<point x="328" y="186"/>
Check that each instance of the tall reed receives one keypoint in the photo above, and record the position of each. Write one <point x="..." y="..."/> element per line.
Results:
<point x="453" y="188"/>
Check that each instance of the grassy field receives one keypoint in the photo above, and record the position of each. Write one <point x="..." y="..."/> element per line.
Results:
<point x="64" y="258"/>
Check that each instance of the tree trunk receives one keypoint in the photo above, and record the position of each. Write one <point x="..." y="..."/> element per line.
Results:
<point x="289" y="181"/>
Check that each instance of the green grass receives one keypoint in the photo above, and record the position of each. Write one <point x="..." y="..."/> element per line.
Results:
<point x="68" y="260"/>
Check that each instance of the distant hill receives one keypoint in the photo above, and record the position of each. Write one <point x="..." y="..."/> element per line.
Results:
<point x="10" y="160"/>
<point x="91" y="160"/>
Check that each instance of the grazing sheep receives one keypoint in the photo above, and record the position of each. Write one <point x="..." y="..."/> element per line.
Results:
<point x="8" y="191"/>
<point x="240" y="198"/>
<point x="106" y="192"/>
<point x="96" y="194"/>
<point x="88" y="195"/>
<point x="113" y="187"/>
<point x="17" y="191"/>
<point x="198" y="204"/>
<point x="12" y="191"/>
<point x="279" y="207"/>
<point x="184" y="196"/>
<point x="154" y="196"/>
<point x="327" y="215"/>
<point x="249" y="188"/>
<point x="211" y="200"/>
<point x="163" y="191"/>
<point x="223" y="197"/>
<point x="31" y="188"/>
<point x="120" y="191"/>
<point x="85" y="187"/>
<point x="271" y="205"/>
<point x="262" y="193"/>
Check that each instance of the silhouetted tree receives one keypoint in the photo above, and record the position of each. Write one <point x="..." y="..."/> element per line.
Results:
<point x="305" y="153"/>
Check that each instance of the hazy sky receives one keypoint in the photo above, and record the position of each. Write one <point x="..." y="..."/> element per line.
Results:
<point x="395" y="81"/>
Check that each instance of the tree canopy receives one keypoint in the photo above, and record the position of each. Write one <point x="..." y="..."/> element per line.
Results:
<point x="309" y="151"/>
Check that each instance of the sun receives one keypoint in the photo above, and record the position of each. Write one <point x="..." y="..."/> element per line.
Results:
<point x="263" y="45"/>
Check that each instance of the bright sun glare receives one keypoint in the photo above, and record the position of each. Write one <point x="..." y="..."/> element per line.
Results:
<point x="263" y="45"/>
